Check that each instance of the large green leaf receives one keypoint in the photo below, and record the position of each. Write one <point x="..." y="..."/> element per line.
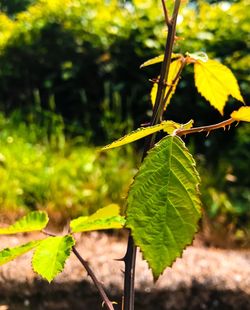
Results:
<point x="51" y="254"/>
<point x="163" y="203"/>
<point x="33" y="221"/>
<point x="106" y="218"/>
<point x="8" y="254"/>
<point x="167" y="126"/>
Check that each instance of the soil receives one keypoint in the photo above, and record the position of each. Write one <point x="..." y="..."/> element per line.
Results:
<point x="204" y="278"/>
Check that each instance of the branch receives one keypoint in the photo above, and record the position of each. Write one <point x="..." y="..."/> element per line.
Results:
<point x="159" y="101"/>
<point x="90" y="272"/>
<point x="182" y="132"/>
<point x="165" y="10"/>
<point x="98" y="285"/>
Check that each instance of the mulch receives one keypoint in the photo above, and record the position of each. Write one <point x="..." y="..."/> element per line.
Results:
<point x="204" y="278"/>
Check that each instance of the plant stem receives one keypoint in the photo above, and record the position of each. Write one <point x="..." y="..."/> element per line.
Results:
<point x="130" y="256"/>
<point x="97" y="284"/>
<point x="159" y="102"/>
<point x="129" y="276"/>
<point x="182" y="132"/>
<point x="165" y="12"/>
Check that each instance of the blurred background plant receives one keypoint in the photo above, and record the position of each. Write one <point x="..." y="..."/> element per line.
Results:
<point x="69" y="77"/>
<point x="40" y="168"/>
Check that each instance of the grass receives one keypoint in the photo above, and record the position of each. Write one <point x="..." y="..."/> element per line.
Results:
<point x="41" y="169"/>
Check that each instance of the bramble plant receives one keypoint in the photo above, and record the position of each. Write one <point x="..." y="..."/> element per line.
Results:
<point x="163" y="204"/>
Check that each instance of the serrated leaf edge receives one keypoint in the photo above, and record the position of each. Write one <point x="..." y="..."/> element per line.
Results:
<point x="63" y="265"/>
<point x="156" y="277"/>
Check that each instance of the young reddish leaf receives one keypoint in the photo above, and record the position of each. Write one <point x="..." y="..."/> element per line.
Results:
<point x="8" y="254"/>
<point x="33" y="221"/>
<point x="243" y="114"/>
<point x="50" y="256"/>
<point x="216" y="82"/>
<point x="106" y="218"/>
<point x="171" y="84"/>
<point x="167" y="126"/>
<point x="164" y="204"/>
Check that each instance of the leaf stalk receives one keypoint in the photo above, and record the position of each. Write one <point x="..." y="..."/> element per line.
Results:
<point x="183" y="132"/>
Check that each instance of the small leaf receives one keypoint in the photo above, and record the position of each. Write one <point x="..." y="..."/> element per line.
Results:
<point x="8" y="254"/>
<point x="33" y="221"/>
<point x="167" y="126"/>
<point x="158" y="59"/>
<point x="171" y="84"/>
<point x="106" y="218"/>
<point x="186" y="126"/>
<point x="198" y="56"/>
<point x="243" y="114"/>
<point x="50" y="256"/>
<point x="216" y="82"/>
<point x="164" y="203"/>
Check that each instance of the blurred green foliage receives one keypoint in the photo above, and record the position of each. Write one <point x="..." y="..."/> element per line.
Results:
<point x="39" y="168"/>
<point x="225" y="187"/>
<point x="80" y="59"/>
<point x="83" y="52"/>
<point x="14" y="6"/>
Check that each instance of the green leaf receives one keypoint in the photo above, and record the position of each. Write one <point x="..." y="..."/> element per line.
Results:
<point x="158" y="59"/>
<point x="216" y="82"/>
<point x="33" y="221"/>
<point x="163" y="204"/>
<point x="243" y="114"/>
<point x="106" y="218"/>
<point x="50" y="256"/>
<point x="8" y="254"/>
<point x="167" y="126"/>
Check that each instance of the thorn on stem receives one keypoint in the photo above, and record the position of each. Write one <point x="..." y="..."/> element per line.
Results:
<point x="119" y="259"/>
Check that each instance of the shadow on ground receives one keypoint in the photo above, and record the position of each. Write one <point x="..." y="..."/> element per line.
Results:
<point x="82" y="296"/>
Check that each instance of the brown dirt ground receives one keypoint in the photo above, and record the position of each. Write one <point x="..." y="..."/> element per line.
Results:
<point x="204" y="278"/>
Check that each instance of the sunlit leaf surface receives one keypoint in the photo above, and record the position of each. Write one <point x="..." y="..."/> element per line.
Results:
<point x="50" y="256"/>
<point x="216" y="82"/>
<point x="33" y="221"/>
<point x="164" y="204"/>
